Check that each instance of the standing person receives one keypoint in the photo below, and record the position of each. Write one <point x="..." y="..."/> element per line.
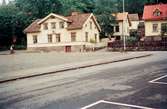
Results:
<point x="12" y="46"/>
<point x="12" y="49"/>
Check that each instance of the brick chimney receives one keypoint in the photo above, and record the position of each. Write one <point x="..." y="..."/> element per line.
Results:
<point x="75" y="13"/>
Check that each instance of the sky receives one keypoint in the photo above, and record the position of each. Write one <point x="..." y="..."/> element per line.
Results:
<point x="2" y="0"/>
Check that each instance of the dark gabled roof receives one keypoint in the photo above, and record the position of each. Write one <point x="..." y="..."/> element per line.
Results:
<point x="33" y="28"/>
<point x="77" y="20"/>
<point x="134" y="17"/>
<point x="74" y="22"/>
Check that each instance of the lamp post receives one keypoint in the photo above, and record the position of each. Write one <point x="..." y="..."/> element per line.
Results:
<point x="123" y="27"/>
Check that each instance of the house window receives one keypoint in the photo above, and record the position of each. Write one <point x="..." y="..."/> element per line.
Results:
<point x="46" y="26"/>
<point x="35" y="39"/>
<point x="155" y="27"/>
<point x="117" y="29"/>
<point x="58" y="38"/>
<point x="53" y="25"/>
<point x="50" y="38"/>
<point x="86" y="37"/>
<point x="61" y="24"/>
<point x="73" y="37"/>
<point x="95" y="37"/>
<point x="157" y="13"/>
<point x="164" y="27"/>
<point x="112" y="29"/>
<point x="90" y="25"/>
<point x="118" y="38"/>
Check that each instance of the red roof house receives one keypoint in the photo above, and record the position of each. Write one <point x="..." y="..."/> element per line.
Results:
<point x="155" y="17"/>
<point x="155" y="12"/>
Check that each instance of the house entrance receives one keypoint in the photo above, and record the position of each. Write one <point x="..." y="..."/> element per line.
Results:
<point x="67" y="48"/>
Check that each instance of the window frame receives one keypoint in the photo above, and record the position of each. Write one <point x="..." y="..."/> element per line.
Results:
<point x="95" y="37"/>
<point x="62" y="25"/>
<point x="73" y="36"/>
<point x="162" y="27"/>
<point x="155" y="27"/>
<point x="35" y="39"/>
<point x="157" y="12"/>
<point x="86" y="36"/>
<point x="45" y="26"/>
<point x="53" y="25"/>
<point x="58" y="38"/>
<point x="50" y="38"/>
<point x="117" y="28"/>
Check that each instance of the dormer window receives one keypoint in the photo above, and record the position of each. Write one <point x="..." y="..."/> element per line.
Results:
<point x="61" y="25"/>
<point x="53" y="25"/>
<point x="45" y="26"/>
<point x="157" y="12"/>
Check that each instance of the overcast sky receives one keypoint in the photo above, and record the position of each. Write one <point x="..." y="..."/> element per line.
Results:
<point x="2" y="0"/>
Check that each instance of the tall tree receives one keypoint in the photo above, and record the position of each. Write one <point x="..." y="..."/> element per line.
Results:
<point x="132" y="6"/>
<point x="39" y="8"/>
<point x="77" y="5"/>
<point x="103" y="11"/>
<point x="8" y="14"/>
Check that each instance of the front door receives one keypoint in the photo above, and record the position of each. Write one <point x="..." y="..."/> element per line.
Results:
<point x="67" y="48"/>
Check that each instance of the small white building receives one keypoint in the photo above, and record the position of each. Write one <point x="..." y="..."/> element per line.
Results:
<point x="123" y="21"/>
<point x="134" y="18"/>
<point x="55" y="32"/>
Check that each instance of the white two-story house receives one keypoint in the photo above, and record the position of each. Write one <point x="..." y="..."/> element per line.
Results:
<point x="71" y="33"/>
<point x="123" y="25"/>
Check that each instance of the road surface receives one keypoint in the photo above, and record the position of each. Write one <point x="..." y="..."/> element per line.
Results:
<point x="133" y="84"/>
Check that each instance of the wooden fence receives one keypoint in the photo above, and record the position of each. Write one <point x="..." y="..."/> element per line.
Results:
<point x="139" y="46"/>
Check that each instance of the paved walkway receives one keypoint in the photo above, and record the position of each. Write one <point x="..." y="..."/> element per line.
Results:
<point x="24" y="64"/>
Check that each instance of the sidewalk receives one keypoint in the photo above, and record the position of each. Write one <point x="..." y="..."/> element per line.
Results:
<point x="74" y="63"/>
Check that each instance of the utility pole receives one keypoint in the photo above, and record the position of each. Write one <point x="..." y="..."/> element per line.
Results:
<point x="123" y="27"/>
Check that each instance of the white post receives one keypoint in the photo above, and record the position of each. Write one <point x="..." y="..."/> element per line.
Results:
<point x="123" y="27"/>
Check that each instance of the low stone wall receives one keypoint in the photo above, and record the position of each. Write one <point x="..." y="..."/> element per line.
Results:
<point x="46" y="49"/>
<point x="74" y="48"/>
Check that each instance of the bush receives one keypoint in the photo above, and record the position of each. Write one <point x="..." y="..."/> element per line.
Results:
<point x="131" y="40"/>
<point x="20" y="47"/>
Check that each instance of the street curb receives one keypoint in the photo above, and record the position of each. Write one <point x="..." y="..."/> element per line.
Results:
<point x="74" y="68"/>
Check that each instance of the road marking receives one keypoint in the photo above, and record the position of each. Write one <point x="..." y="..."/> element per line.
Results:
<point x="155" y="80"/>
<point x="159" y="83"/>
<point x="91" y="105"/>
<point x="115" y="103"/>
<point x="127" y="105"/>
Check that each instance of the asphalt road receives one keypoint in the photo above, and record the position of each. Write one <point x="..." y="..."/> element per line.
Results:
<point x="123" y="85"/>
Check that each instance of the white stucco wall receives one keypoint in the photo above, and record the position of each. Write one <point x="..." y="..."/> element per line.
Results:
<point x="63" y="31"/>
<point x="134" y="25"/>
<point x="30" y="38"/>
<point x="91" y="32"/>
<point x="149" y="28"/>
<point x="126" y="28"/>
